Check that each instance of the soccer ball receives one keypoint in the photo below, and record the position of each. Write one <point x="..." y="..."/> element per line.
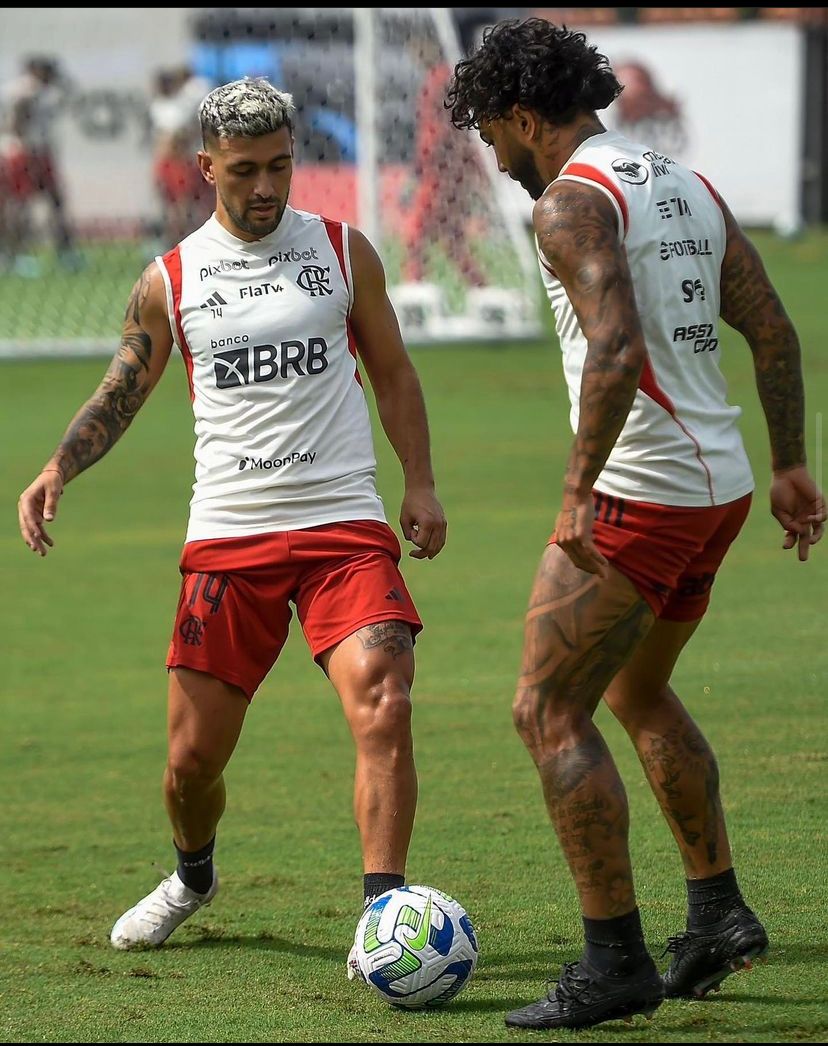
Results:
<point x="416" y="947"/>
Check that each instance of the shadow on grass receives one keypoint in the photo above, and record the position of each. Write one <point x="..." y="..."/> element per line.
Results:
<point x="210" y="938"/>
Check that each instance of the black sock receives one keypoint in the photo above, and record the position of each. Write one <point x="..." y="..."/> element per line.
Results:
<point x="195" y="870"/>
<point x="375" y="883"/>
<point x="616" y="946"/>
<point x="709" y="900"/>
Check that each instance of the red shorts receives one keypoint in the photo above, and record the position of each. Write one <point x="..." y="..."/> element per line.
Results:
<point x="27" y="172"/>
<point x="233" y="612"/>
<point x="670" y="554"/>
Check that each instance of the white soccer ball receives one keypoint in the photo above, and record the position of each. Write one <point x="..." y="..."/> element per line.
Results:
<point x="416" y="947"/>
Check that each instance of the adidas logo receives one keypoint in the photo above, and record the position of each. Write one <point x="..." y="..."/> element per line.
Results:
<point x="395" y="595"/>
<point x="213" y="301"/>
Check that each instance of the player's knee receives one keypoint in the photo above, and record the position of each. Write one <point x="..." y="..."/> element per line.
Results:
<point x="542" y="721"/>
<point x="385" y="716"/>
<point x="190" y="767"/>
<point x="634" y="705"/>
<point x="524" y="711"/>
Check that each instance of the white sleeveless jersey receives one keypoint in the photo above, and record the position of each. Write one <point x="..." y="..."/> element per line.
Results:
<point x="680" y="445"/>
<point x="283" y="436"/>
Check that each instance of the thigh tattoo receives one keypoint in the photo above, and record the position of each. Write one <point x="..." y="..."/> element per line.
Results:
<point x="393" y="636"/>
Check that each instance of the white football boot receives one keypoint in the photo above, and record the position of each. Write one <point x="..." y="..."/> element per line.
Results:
<point x="151" y="921"/>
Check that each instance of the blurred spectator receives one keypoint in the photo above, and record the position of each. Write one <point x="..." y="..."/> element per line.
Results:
<point x="448" y="173"/>
<point x="644" y="114"/>
<point x="28" y="164"/>
<point x="185" y="198"/>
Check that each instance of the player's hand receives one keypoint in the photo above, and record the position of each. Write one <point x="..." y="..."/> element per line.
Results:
<point x="798" y="506"/>
<point x="573" y="532"/>
<point x="423" y="522"/>
<point x="36" y="505"/>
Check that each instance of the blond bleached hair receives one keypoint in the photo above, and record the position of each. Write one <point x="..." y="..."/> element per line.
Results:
<point x="245" y="108"/>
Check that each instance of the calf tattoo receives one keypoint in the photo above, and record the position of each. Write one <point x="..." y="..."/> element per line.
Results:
<point x="683" y="772"/>
<point x="588" y="806"/>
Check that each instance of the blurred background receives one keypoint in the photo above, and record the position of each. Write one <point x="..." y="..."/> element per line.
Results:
<point x="98" y="133"/>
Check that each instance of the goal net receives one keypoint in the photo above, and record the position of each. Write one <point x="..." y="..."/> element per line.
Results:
<point x="97" y="168"/>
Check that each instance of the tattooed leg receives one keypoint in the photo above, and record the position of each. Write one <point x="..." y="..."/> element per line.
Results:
<point x="580" y="630"/>
<point x="678" y="761"/>
<point x="373" y="670"/>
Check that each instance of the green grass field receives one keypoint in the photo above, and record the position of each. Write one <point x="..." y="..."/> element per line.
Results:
<point x="84" y="834"/>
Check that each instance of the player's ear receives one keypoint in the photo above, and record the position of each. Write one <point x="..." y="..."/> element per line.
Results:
<point x="205" y="165"/>
<point x="526" y="121"/>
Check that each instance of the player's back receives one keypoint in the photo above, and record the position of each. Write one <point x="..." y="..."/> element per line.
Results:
<point x="680" y="444"/>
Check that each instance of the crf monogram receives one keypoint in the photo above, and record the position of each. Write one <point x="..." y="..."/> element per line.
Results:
<point x="192" y="630"/>
<point x="315" y="279"/>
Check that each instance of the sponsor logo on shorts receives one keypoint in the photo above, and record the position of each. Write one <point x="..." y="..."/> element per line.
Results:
<point x="699" y="585"/>
<point x="304" y="457"/>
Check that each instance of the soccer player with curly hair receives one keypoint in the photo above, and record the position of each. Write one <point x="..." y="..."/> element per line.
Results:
<point x="641" y="257"/>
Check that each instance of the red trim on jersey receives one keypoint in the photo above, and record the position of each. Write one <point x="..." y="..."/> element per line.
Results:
<point x="172" y="261"/>
<point x="650" y="387"/>
<point x="334" y="231"/>
<point x="710" y="188"/>
<point x="592" y="174"/>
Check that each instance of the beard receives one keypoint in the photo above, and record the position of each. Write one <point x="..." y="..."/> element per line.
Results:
<point x="248" y="222"/>
<point x="524" y="169"/>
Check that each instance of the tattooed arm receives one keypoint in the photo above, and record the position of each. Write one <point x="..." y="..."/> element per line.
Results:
<point x="577" y="230"/>
<point x="146" y="342"/>
<point x="752" y="307"/>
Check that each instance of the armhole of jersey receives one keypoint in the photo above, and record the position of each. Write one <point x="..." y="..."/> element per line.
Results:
<point x="718" y="201"/>
<point x="599" y="181"/>
<point x="710" y="189"/>
<point x="159" y="261"/>
<point x="349" y="274"/>
<point x="542" y="260"/>
<point x="338" y="236"/>
<point x="170" y="266"/>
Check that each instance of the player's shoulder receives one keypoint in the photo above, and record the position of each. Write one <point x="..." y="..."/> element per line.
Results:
<point x="568" y="199"/>
<point x="312" y="219"/>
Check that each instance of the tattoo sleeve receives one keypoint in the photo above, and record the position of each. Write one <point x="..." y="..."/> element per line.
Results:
<point x="577" y="231"/>
<point x="108" y="413"/>
<point x="752" y="307"/>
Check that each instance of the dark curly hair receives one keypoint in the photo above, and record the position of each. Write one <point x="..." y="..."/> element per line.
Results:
<point x="535" y="64"/>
